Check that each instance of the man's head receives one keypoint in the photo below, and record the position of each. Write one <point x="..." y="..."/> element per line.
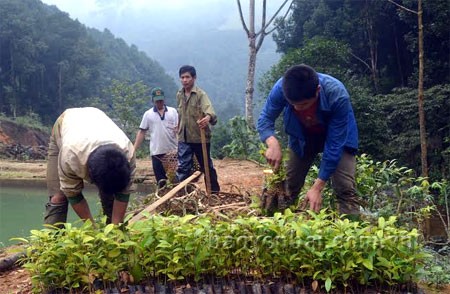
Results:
<point x="188" y="69"/>
<point x="109" y="169"/>
<point x="300" y="84"/>
<point x="187" y="76"/>
<point x="158" y="97"/>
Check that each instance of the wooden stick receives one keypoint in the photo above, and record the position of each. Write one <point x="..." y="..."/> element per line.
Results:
<point x="205" y="163"/>
<point x="151" y="208"/>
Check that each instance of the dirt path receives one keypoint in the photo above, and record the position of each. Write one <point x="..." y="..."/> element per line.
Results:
<point x="232" y="173"/>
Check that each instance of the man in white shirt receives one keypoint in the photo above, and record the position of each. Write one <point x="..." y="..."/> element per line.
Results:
<point x="162" y="122"/>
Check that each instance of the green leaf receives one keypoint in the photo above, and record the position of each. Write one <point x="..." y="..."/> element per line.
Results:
<point x="114" y="253"/>
<point x="87" y="239"/>
<point x="381" y="222"/>
<point x="108" y="228"/>
<point x="328" y="284"/>
<point x="368" y="264"/>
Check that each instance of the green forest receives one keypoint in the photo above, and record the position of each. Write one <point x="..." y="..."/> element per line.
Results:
<point x="49" y="62"/>
<point x="372" y="47"/>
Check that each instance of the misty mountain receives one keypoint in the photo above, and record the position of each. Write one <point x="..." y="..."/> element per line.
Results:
<point x="212" y="42"/>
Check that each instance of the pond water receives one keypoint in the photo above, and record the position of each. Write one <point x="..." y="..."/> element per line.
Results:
<point x="22" y="209"/>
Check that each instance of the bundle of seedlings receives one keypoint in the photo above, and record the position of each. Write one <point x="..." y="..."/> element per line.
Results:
<point x="274" y="197"/>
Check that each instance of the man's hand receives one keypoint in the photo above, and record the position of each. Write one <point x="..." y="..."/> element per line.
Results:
<point x="314" y="195"/>
<point x="273" y="153"/>
<point x="203" y="122"/>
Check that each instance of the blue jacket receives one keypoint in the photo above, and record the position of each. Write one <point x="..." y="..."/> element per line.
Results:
<point x="334" y="111"/>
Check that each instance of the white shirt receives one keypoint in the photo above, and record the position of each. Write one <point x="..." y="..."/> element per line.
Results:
<point x="163" y="130"/>
<point x="82" y="130"/>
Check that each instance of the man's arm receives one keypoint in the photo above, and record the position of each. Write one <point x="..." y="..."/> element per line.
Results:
<point x="314" y="195"/>
<point x="140" y="136"/>
<point x="82" y="210"/>
<point x="118" y="213"/>
<point x="274" y="105"/>
<point x="272" y="108"/>
<point x="210" y="116"/>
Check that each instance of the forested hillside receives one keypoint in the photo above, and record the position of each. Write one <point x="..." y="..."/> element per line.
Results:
<point x="372" y="46"/>
<point x="49" y="62"/>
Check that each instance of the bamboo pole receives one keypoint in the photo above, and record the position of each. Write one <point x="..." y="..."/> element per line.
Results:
<point x="205" y="163"/>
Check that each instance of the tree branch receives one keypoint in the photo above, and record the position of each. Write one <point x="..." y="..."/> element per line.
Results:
<point x="365" y="63"/>
<point x="242" y="18"/>
<point x="261" y="33"/>
<point x="264" y="27"/>
<point x="402" y="7"/>
<point x="284" y="17"/>
<point x="263" y="20"/>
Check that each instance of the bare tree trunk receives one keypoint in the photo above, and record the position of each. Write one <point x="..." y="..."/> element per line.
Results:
<point x="399" y="62"/>
<point x="255" y="41"/>
<point x="249" y="89"/>
<point x="59" y="88"/>
<point x="423" y="132"/>
<point x="13" y="80"/>
<point x="373" y="46"/>
<point x="420" y="98"/>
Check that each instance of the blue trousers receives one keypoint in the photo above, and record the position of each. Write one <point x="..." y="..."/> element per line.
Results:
<point x="186" y="151"/>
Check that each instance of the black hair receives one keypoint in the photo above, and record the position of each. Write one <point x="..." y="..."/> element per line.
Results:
<point x="109" y="169"/>
<point x="300" y="82"/>
<point x="187" y="68"/>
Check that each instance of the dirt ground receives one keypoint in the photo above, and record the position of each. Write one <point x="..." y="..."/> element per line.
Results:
<point x="235" y="176"/>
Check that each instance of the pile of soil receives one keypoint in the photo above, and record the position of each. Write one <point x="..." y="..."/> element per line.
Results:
<point x="22" y="143"/>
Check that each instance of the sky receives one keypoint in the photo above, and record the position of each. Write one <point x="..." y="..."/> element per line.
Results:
<point x="169" y="12"/>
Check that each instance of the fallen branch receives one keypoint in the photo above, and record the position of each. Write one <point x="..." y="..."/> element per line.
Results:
<point x="10" y="261"/>
<point x="231" y="205"/>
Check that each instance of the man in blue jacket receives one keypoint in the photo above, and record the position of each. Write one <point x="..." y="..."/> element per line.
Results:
<point x="318" y="117"/>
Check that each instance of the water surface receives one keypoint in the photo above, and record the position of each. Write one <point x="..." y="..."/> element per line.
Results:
<point x="22" y="209"/>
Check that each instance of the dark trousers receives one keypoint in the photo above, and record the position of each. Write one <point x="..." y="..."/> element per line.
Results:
<point x="158" y="169"/>
<point x="185" y="162"/>
<point x="342" y="180"/>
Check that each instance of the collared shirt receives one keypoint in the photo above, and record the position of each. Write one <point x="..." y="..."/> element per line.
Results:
<point x="335" y="112"/>
<point x="163" y="129"/>
<point x="191" y="109"/>
<point x="80" y="131"/>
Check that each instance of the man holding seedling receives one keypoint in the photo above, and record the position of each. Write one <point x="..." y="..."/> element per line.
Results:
<point x="318" y="118"/>
<point x="86" y="145"/>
